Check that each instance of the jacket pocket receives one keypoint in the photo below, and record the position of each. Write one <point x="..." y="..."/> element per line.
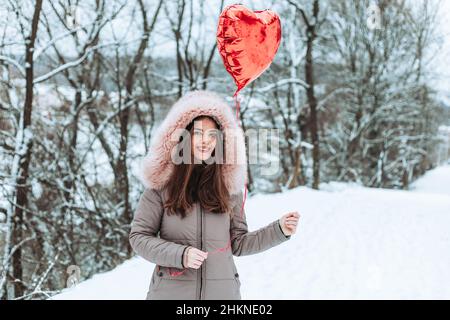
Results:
<point x="236" y="274"/>
<point x="154" y="285"/>
<point x="237" y="280"/>
<point x="156" y="280"/>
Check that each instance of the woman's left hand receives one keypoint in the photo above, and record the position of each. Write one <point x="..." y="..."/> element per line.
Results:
<point x="288" y="222"/>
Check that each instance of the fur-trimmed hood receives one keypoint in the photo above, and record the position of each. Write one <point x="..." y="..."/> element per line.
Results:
<point x="156" y="167"/>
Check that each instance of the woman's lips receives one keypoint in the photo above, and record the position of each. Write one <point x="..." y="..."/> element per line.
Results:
<point x="203" y="149"/>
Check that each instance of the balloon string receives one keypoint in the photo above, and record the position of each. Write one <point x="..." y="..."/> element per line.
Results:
<point x="228" y="246"/>
<point x="238" y="107"/>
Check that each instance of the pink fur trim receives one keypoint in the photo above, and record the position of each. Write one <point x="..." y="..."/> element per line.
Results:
<point x="157" y="166"/>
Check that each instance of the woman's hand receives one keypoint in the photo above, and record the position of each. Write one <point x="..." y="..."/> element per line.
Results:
<point x="193" y="257"/>
<point x="288" y="222"/>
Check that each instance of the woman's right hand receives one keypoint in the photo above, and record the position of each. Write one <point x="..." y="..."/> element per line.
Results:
<point x="193" y="257"/>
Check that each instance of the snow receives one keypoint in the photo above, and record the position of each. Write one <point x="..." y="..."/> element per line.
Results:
<point x="434" y="181"/>
<point x="36" y="189"/>
<point x="352" y="242"/>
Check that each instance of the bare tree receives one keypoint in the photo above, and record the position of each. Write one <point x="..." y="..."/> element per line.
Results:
<point x="311" y="29"/>
<point x="12" y="256"/>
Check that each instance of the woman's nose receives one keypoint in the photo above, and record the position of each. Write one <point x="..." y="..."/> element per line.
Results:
<point x="206" y="141"/>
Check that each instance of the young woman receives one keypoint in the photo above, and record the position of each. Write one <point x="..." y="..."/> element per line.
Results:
<point x="194" y="175"/>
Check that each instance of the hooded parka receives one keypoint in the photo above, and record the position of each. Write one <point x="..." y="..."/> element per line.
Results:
<point x="162" y="239"/>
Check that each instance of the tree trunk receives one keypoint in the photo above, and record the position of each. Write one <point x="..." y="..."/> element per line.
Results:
<point x="312" y="101"/>
<point x="24" y="162"/>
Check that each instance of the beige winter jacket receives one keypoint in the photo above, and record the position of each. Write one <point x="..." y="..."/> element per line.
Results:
<point x="218" y="277"/>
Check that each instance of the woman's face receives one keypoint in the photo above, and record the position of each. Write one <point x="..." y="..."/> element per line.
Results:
<point x="204" y="138"/>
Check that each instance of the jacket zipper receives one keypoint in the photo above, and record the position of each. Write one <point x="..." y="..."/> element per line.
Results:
<point x="201" y="246"/>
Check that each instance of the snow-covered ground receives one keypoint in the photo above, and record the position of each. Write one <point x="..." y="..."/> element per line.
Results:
<point x="434" y="181"/>
<point x="352" y="243"/>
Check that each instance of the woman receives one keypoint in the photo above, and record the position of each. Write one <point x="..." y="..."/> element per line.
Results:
<point x="194" y="174"/>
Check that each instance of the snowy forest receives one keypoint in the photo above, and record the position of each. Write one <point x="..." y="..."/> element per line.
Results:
<point x="358" y="91"/>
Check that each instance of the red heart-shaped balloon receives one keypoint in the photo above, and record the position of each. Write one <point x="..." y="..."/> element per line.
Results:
<point x="247" y="41"/>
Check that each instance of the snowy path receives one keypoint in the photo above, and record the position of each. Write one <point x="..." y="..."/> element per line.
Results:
<point x="352" y="243"/>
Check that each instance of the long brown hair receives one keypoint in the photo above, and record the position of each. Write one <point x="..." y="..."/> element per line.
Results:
<point x="193" y="182"/>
